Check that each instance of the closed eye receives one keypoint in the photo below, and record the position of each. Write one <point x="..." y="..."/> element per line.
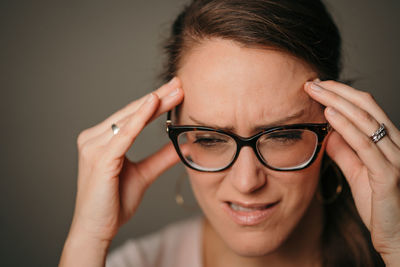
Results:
<point x="208" y="141"/>
<point x="286" y="136"/>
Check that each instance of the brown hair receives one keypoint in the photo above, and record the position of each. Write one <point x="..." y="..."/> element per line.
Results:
<point x="305" y="29"/>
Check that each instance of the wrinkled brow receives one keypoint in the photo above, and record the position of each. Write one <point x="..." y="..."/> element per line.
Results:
<point x="278" y="122"/>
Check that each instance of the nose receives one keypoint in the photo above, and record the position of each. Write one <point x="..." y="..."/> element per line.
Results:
<point x="247" y="173"/>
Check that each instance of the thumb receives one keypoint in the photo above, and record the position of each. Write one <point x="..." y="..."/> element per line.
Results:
<point x="136" y="177"/>
<point x="344" y="156"/>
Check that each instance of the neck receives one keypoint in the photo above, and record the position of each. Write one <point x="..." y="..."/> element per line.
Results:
<point x="302" y="248"/>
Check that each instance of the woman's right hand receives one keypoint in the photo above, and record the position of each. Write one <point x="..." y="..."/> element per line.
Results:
<point x="110" y="186"/>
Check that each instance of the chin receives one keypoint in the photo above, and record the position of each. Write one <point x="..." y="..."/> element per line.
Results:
<point x="262" y="239"/>
<point x="256" y="244"/>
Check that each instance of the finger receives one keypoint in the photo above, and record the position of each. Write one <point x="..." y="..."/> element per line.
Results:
<point x="361" y="118"/>
<point x="132" y="107"/>
<point x="166" y="103"/>
<point x="154" y="165"/>
<point x="162" y="92"/>
<point x="368" y="152"/>
<point x="135" y="178"/>
<point x="121" y="142"/>
<point x="353" y="169"/>
<point x="165" y="91"/>
<point x="366" y="102"/>
<point x="344" y="156"/>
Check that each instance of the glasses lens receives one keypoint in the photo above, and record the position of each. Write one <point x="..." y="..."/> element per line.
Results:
<point x="288" y="149"/>
<point x="207" y="150"/>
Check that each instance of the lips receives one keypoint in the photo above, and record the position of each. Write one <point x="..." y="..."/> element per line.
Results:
<point x="249" y="214"/>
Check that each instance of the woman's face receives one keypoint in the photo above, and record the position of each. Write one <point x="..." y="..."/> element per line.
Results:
<point x="228" y="86"/>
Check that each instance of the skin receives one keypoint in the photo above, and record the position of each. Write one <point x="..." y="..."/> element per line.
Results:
<point x="371" y="169"/>
<point x="217" y="76"/>
<point x="221" y="77"/>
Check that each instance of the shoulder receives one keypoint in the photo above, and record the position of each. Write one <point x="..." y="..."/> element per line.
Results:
<point x="178" y="244"/>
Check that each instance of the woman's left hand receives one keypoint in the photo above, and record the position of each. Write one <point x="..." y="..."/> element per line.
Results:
<point x="371" y="169"/>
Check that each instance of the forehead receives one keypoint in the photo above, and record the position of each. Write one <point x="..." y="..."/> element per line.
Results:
<point x="229" y="85"/>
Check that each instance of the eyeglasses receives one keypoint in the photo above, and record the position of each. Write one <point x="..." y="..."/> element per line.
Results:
<point x="281" y="148"/>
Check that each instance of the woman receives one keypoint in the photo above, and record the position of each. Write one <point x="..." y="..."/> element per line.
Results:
<point x="261" y="107"/>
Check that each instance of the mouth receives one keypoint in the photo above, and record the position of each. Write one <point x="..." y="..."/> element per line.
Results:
<point x="249" y="214"/>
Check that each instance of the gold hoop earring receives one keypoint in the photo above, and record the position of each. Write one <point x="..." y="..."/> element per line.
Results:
<point x="339" y="187"/>
<point x="178" y="195"/>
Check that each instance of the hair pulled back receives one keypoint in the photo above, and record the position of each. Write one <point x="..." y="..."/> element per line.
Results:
<point x="302" y="28"/>
<point x="306" y="30"/>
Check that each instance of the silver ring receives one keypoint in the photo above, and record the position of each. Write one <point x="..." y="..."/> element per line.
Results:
<point x="379" y="134"/>
<point x="114" y="128"/>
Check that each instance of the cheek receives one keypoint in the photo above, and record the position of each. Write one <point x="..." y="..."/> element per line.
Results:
<point x="204" y="185"/>
<point x="300" y="187"/>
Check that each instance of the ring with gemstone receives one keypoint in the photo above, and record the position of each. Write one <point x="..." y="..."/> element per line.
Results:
<point x="114" y="128"/>
<point x="379" y="134"/>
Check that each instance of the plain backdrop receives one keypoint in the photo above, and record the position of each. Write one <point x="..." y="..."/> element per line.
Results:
<point x="67" y="65"/>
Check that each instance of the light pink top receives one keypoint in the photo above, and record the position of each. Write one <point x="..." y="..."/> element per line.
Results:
<point x="177" y="245"/>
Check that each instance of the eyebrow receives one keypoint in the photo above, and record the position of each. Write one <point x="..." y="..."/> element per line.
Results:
<point x="279" y="122"/>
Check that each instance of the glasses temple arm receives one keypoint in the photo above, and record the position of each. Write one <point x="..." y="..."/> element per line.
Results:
<point x="168" y="122"/>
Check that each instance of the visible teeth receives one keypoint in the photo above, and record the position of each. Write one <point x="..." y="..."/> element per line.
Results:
<point x="241" y="208"/>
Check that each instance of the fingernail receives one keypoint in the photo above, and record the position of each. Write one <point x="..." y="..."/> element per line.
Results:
<point x="172" y="81"/>
<point x="315" y="87"/>
<point x="175" y="92"/>
<point x="317" y="80"/>
<point x="150" y="98"/>
<point x="331" y="111"/>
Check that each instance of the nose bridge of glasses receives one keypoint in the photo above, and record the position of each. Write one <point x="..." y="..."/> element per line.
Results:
<point x="247" y="141"/>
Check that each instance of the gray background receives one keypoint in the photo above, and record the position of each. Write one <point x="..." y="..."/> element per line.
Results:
<point x="65" y="66"/>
